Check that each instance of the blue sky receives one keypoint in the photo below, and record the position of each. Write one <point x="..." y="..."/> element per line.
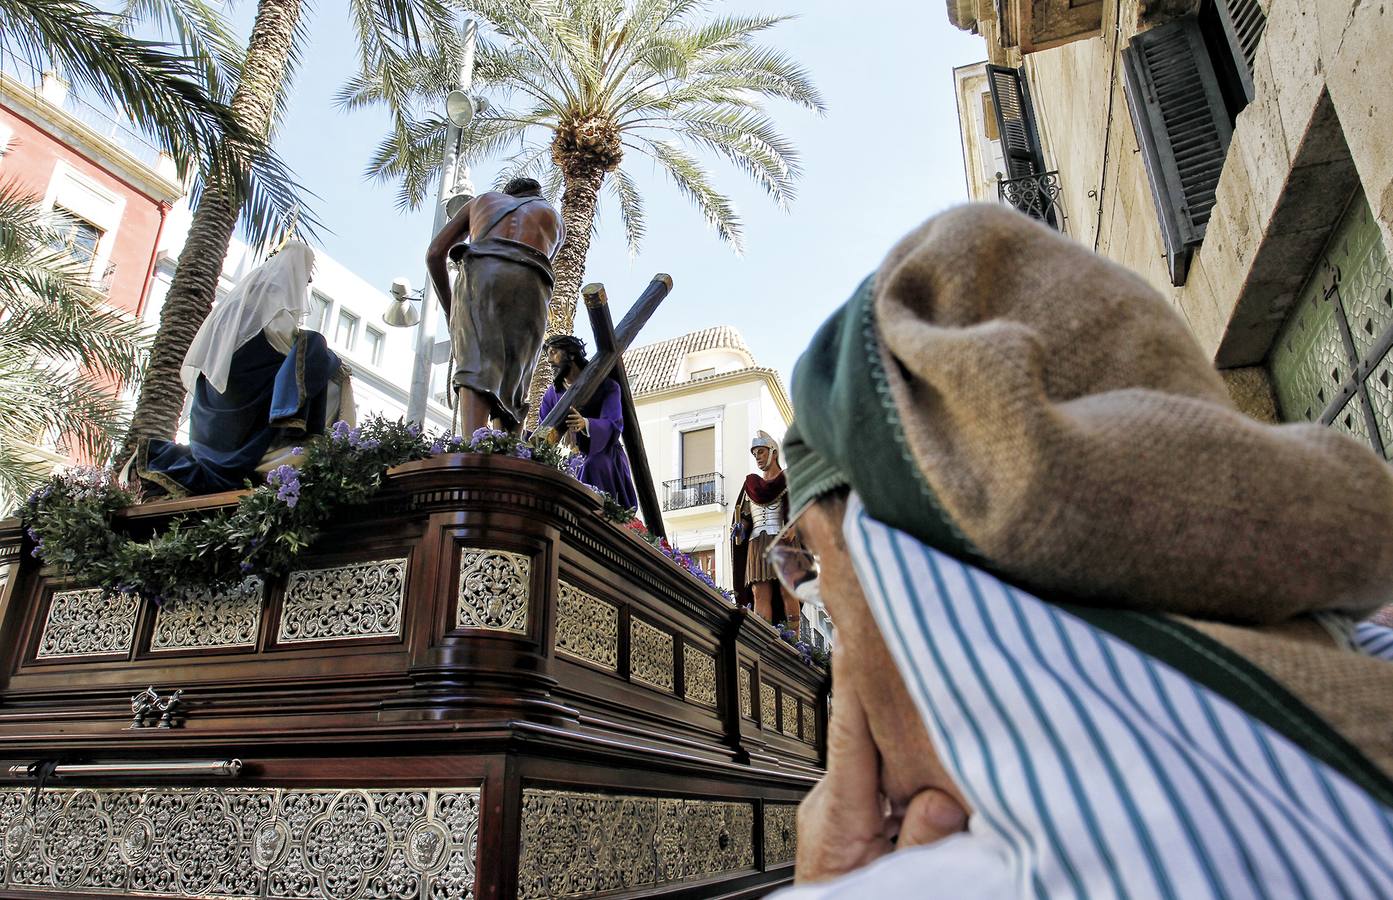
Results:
<point x="885" y="157"/>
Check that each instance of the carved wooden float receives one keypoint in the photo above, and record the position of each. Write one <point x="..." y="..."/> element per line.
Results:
<point x="475" y="686"/>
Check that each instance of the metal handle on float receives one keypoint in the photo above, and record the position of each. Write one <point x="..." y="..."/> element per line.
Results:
<point x="228" y="767"/>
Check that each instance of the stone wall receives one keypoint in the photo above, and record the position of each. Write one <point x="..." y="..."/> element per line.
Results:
<point x="1316" y="130"/>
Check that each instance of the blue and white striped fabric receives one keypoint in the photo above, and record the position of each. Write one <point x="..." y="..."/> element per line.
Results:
<point x="1092" y="769"/>
<point x="1375" y="640"/>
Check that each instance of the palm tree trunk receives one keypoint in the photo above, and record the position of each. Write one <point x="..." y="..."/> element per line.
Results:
<point x="195" y="282"/>
<point x="578" y="212"/>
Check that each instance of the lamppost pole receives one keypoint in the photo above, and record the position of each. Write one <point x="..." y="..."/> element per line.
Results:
<point x="454" y="181"/>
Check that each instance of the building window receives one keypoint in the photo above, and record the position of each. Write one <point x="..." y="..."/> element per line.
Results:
<point x="346" y="334"/>
<point x="700" y="483"/>
<point x="319" y="312"/>
<point x="1026" y="185"/>
<point x="376" y="341"/>
<point x="1331" y="361"/>
<point x="703" y="373"/>
<point x="1186" y="82"/>
<point x="75" y="236"/>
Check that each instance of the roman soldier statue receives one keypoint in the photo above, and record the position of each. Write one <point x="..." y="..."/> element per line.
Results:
<point x="761" y="511"/>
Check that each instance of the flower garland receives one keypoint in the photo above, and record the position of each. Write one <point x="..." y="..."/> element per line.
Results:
<point x="69" y="518"/>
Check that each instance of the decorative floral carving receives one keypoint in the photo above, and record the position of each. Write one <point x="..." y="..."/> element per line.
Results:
<point x="768" y="712"/>
<point x="494" y="588"/>
<point x="579" y="844"/>
<point x="242" y="842"/>
<point x="84" y="623"/>
<point x="780" y="833"/>
<point x="699" y="675"/>
<point x="587" y="627"/>
<point x="746" y="705"/>
<point x="807" y="730"/>
<point x="788" y="714"/>
<point x="208" y="620"/>
<point x="362" y="600"/>
<point x="650" y="655"/>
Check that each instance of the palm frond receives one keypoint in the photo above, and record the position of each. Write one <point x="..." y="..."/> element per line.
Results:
<point x="694" y="181"/>
<point x="630" y="200"/>
<point x="199" y="31"/>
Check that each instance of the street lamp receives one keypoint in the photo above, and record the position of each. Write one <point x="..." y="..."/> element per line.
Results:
<point x="401" y="313"/>
<point x="455" y="191"/>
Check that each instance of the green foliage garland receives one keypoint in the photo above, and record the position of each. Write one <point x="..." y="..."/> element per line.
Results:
<point x="69" y="518"/>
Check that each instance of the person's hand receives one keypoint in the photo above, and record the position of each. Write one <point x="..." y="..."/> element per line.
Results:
<point x="845" y="822"/>
<point x="577" y="423"/>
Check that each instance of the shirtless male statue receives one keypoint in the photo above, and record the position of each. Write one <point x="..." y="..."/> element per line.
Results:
<point x="504" y="243"/>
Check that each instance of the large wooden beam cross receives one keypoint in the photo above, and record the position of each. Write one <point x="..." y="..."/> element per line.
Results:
<point x="610" y="344"/>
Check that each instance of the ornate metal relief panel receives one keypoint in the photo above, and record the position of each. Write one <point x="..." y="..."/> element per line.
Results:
<point x="1380" y="387"/>
<point x="242" y="842"/>
<point x="788" y="720"/>
<point x="768" y="708"/>
<point x="587" y="627"/>
<point x="699" y="675"/>
<point x="650" y="655"/>
<point x="580" y="844"/>
<point x="1350" y="420"/>
<point x="807" y="728"/>
<point x="361" y="600"/>
<point x="1309" y="361"/>
<point x="493" y="590"/>
<point x="207" y="621"/>
<point x="746" y="704"/>
<point x="84" y="623"/>
<point x="780" y="833"/>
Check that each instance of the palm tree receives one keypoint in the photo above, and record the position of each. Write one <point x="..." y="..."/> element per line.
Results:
<point x="579" y="87"/>
<point x="386" y="29"/>
<point x="63" y="355"/>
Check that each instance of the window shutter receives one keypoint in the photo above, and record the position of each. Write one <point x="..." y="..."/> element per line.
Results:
<point x="1244" y="23"/>
<point x="1182" y="128"/>
<point x="1015" y="122"/>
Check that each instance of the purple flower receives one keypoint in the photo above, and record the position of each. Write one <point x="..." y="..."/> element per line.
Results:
<point x="297" y="451"/>
<point x="574" y="463"/>
<point x="339" y="433"/>
<point x="413" y="430"/>
<point x="522" y="451"/>
<point x="245" y="566"/>
<point x="286" y="481"/>
<point x="437" y="446"/>
<point x="480" y="434"/>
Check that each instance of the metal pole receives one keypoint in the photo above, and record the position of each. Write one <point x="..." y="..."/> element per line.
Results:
<point x="451" y="182"/>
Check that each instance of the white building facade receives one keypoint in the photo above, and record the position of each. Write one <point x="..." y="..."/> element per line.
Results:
<point x="700" y="398"/>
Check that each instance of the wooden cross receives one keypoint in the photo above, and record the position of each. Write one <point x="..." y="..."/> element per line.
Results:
<point x="610" y="344"/>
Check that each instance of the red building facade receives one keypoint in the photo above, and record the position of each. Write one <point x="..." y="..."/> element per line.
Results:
<point x="110" y="190"/>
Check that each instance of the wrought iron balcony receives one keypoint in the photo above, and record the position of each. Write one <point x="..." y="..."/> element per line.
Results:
<point x="1035" y="195"/>
<point x="694" y="490"/>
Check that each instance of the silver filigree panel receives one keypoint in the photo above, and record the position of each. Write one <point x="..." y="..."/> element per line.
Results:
<point x="587" y="627"/>
<point x="699" y="675"/>
<point x="807" y="730"/>
<point x="651" y="655"/>
<point x="493" y="590"/>
<point x="581" y="844"/>
<point x="746" y="704"/>
<point x="405" y="844"/>
<point x="788" y="714"/>
<point x="211" y="621"/>
<point x="768" y="714"/>
<point x="84" y="623"/>
<point x="360" y="600"/>
<point x="780" y="833"/>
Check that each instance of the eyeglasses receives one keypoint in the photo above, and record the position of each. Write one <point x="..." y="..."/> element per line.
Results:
<point x="794" y="564"/>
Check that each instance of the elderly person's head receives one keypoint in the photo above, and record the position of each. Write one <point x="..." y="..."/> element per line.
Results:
<point x="998" y="416"/>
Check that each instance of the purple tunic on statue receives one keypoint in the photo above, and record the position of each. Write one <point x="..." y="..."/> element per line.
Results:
<point x="606" y="464"/>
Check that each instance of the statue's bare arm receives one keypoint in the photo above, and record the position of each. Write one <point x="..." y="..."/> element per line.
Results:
<point x="454" y="231"/>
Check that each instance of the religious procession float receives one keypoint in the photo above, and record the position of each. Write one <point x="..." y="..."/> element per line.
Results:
<point x="405" y="667"/>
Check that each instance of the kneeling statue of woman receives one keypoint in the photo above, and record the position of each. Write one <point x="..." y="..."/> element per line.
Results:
<point x="260" y="385"/>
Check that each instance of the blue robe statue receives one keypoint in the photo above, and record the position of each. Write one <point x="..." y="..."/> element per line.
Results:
<point x="273" y="399"/>
<point x="606" y="464"/>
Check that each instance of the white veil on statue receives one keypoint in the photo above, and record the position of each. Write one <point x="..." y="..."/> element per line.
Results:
<point x="276" y="291"/>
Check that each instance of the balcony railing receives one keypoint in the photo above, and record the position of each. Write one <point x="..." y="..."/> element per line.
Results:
<point x="1035" y="195"/>
<point x="694" y="490"/>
